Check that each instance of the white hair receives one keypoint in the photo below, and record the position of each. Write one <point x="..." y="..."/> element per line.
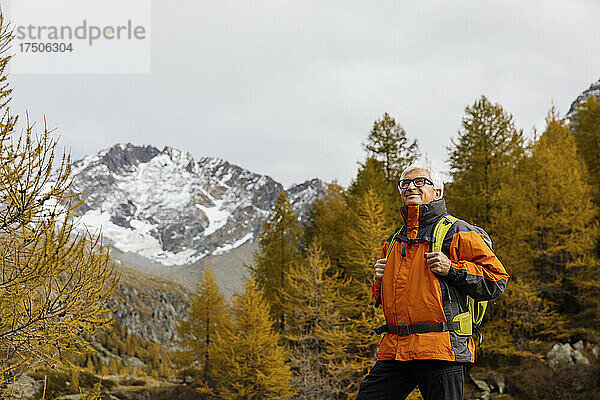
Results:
<point x="434" y="174"/>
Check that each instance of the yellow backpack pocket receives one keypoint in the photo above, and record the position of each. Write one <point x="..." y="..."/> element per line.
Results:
<point x="466" y="324"/>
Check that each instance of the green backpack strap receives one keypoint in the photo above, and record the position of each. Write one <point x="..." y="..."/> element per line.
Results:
<point x="389" y="250"/>
<point x="440" y="231"/>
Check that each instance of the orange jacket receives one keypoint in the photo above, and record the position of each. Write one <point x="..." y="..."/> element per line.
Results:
<point x="411" y="294"/>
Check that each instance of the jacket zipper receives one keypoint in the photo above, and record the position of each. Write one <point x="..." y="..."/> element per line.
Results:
<point x="448" y="291"/>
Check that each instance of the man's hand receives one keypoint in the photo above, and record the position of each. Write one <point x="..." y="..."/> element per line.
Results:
<point x="379" y="267"/>
<point x="438" y="263"/>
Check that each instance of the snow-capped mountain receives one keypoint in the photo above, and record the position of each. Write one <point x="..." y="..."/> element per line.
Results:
<point x="172" y="209"/>
<point x="593" y="90"/>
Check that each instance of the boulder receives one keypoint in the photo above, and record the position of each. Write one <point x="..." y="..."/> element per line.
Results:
<point x="560" y="354"/>
<point x="566" y="354"/>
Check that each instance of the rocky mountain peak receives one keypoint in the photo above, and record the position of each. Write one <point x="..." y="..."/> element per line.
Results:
<point x="304" y="194"/>
<point x="122" y="157"/>
<point x="593" y="90"/>
<point x="172" y="209"/>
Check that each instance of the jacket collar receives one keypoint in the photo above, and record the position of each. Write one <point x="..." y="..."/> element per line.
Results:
<point x="423" y="214"/>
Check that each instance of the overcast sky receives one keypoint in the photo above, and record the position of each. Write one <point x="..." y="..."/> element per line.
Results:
<point x="291" y="88"/>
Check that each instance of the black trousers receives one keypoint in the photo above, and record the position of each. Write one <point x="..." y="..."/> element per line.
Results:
<point x="395" y="380"/>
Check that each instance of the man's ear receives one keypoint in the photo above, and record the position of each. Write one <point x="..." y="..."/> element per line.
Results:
<point x="438" y="194"/>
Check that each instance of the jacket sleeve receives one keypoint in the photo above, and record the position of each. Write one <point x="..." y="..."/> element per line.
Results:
<point x="475" y="269"/>
<point x="376" y="287"/>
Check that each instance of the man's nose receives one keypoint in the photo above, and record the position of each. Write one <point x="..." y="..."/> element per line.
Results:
<point x="411" y="183"/>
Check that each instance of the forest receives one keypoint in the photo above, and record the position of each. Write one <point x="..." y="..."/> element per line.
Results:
<point x="302" y="328"/>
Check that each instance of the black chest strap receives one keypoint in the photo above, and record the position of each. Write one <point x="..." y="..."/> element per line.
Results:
<point x="407" y="329"/>
<point x="410" y="241"/>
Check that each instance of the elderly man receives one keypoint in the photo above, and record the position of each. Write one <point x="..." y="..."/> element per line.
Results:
<point x="423" y="291"/>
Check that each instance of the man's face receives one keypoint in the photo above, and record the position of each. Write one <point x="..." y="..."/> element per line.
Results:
<point x="413" y="195"/>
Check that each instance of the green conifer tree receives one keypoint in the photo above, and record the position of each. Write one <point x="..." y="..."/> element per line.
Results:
<point x="486" y="152"/>
<point x="279" y="245"/>
<point x="207" y="315"/>
<point x="388" y="144"/>
<point x="250" y="362"/>
<point x="389" y="151"/>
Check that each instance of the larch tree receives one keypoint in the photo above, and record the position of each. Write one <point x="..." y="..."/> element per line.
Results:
<point x="55" y="283"/>
<point x="519" y="320"/>
<point x="586" y="126"/>
<point x="371" y="177"/>
<point x="329" y="221"/>
<point x="486" y="152"/>
<point x="548" y="196"/>
<point x="278" y="249"/>
<point x="367" y="236"/>
<point x="250" y="362"/>
<point x="358" y="316"/>
<point x="208" y="314"/>
<point x="314" y="324"/>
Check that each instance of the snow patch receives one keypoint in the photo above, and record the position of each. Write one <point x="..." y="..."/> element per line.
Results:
<point x="237" y="243"/>
<point x="217" y="217"/>
<point x="138" y="240"/>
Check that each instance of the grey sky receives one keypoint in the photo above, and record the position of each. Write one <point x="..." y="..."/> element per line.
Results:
<point x="291" y="89"/>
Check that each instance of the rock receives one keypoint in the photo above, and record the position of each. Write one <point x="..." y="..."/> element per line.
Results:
<point x="149" y="307"/>
<point x="579" y="358"/>
<point x="135" y="362"/>
<point x="25" y="387"/>
<point x="560" y="354"/>
<point x="500" y="383"/>
<point x="565" y="354"/>
<point x="593" y="90"/>
<point x="481" y="384"/>
<point x="594" y="350"/>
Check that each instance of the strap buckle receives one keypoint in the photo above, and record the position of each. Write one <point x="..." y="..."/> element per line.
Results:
<point x="398" y="329"/>
<point x="411" y="241"/>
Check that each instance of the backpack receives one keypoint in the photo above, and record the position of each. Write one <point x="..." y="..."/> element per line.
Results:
<point x="476" y="308"/>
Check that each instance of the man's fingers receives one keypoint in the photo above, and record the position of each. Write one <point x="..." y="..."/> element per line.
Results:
<point x="379" y="267"/>
<point x="431" y="258"/>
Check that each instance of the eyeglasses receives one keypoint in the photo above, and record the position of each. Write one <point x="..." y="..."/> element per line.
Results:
<point x="419" y="182"/>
